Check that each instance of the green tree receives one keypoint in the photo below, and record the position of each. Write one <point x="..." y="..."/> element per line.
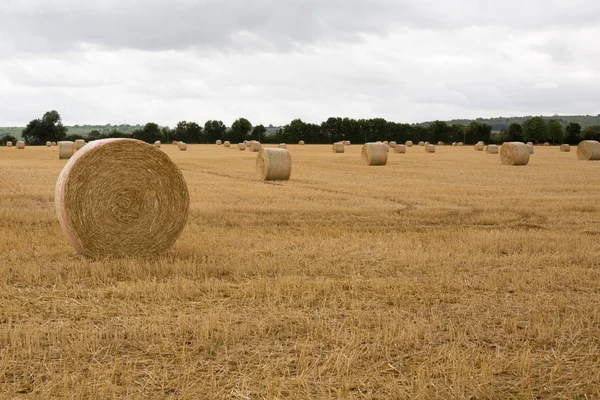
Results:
<point x="240" y="129"/>
<point x="48" y="128"/>
<point x="535" y="130"/>
<point x="7" y="138"/>
<point x="149" y="133"/>
<point x="94" y="134"/>
<point x="258" y="132"/>
<point x="556" y="132"/>
<point x="591" y="133"/>
<point x="213" y="131"/>
<point x="514" y="133"/>
<point x="573" y="133"/>
<point x="187" y="132"/>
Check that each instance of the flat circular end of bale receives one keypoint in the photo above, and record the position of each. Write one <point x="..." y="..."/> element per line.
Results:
<point x="374" y="154"/>
<point x="120" y="198"/>
<point x="588" y="150"/>
<point x="273" y="164"/>
<point x="514" y="153"/>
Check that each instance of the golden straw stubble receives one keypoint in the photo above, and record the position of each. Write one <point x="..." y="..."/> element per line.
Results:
<point x="121" y="197"/>
<point x="273" y="164"/>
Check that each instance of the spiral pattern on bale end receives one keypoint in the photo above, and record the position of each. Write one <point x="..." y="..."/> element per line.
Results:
<point x="400" y="148"/>
<point x="274" y="164"/>
<point x="588" y="150"/>
<point x="491" y="149"/>
<point x="338" y="147"/>
<point x="121" y="197"/>
<point x="374" y="154"/>
<point x="66" y="150"/>
<point x="565" y="148"/>
<point x="514" y="153"/>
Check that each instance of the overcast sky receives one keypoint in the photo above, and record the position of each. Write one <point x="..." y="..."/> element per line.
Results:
<point x="136" y="61"/>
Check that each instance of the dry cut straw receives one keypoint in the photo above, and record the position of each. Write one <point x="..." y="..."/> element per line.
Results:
<point x="48" y="144"/>
<point x="408" y="143"/>
<point x="121" y="198"/>
<point x="530" y="148"/>
<point x="514" y="153"/>
<point x="338" y="147"/>
<point x="9" y="144"/>
<point x="219" y="142"/>
<point x="374" y="154"/>
<point x="301" y="142"/>
<point x="588" y="150"/>
<point x="66" y="149"/>
<point x="242" y="146"/>
<point x="565" y="148"/>
<point x="347" y="143"/>
<point x="392" y="144"/>
<point x="227" y="143"/>
<point x="460" y="144"/>
<point x="429" y="148"/>
<point x="20" y="145"/>
<point x="400" y="148"/>
<point x="181" y="146"/>
<point x="479" y="146"/>
<point x="273" y="164"/>
<point x="491" y="149"/>
<point x="254" y="146"/>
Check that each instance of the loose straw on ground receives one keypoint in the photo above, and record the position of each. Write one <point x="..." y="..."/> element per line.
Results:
<point x="274" y="164"/>
<point x="374" y="154"/>
<point x="588" y="150"/>
<point x="514" y="153"/>
<point x="121" y="198"/>
<point x="66" y="149"/>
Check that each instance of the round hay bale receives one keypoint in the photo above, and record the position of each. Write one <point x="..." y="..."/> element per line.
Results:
<point x="427" y="143"/>
<point x="514" y="153"/>
<point x="460" y="144"/>
<point x="400" y="148"/>
<point x="219" y="142"/>
<point x="48" y="144"/>
<point x="565" y="148"/>
<point x="454" y="143"/>
<point x="157" y="144"/>
<point x="53" y="143"/>
<point x="121" y="198"/>
<point x="529" y="143"/>
<point x="273" y="164"/>
<point x="347" y="143"/>
<point x="421" y="143"/>
<point x="530" y="148"/>
<point x="546" y="144"/>
<point x="429" y="148"/>
<point x="491" y="149"/>
<point x="386" y="142"/>
<point x="242" y="146"/>
<point x="301" y="143"/>
<point x="282" y="146"/>
<point x="20" y="145"/>
<point x="79" y="143"/>
<point x="408" y="143"/>
<point x="9" y="144"/>
<point x="478" y="147"/>
<point x="480" y="142"/>
<point x="338" y="147"/>
<point x="174" y="142"/>
<point x="588" y="150"/>
<point x="392" y="144"/>
<point x="182" y="146"/>
<point x="374" y="154"/>
<point x="66" y="150"/>
<point x="440" y="143"/>
<point x="254" y="146"/>
<point x="227" y="143"/>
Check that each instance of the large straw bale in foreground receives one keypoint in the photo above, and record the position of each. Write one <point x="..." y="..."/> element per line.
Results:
<point x="273" y="164"/>
<point x="66" y="149"/>
<point x="491" y="149"/>
<point x="374" y="153"/>
<point x="565" y="148"/>
<point x="400" y="148"/>
<point x="20" y="145"/>
<point x="588" y="150"/>
<point x="338" y="147"/>
<point x="121" y="197"/>
<point x="79" y="143"/>
<point x="514" y="153"/>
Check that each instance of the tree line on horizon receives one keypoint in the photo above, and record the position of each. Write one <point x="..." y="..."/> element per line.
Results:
<point x="534" y="129"/>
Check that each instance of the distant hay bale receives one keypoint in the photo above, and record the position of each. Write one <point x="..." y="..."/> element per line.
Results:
<point x="400" y="148"/>
<point x="408" y="143"/>
<point x="227" y="143"/>
<point x="454" y="143"/>
<point x="440" y="143"/>
<point x="66" y="150"/>
<point x="174" y="142"/>
<point x="386" y="142"/>
<point x="219" y="143"/>
<point x="430" y="148"/>
<point x="347" y="143"/>
<point x="121" y="198"/>
<point x="565" y="148"/>
<point x="491" y="149"/>
<point x="182" y="146"/>
<point x="338" y="147"/>
<point x="274" y="164"/>
<point x="79" y="143"/>
<point x="392" y="144"/>
<point x="48" y="144"/>
<point x="421" y="143"/>
<point x="514" y="153"/>
<point x="53" y="143"/>
<point x="546" y="144"/>
<point x="480" y="142"/>
<point x="427" y="143"/>
<point x="157" y="144"/>
<point x="530" y="143"/>
<point x="387" y="147"/>
<point x="374" y="154"/>
<point x="301" y="142"/>
<point x="20" y="145"/>
<point x="242" y="146"/>
<point x="254" y="146"/>
<point x="588" y="150"/>
<point x="282" y="146"/>
<point x="460" y="144"/>
<point x="530" y="148"/>
<point x="9" y="144"/>
<point x="478" y="147"/>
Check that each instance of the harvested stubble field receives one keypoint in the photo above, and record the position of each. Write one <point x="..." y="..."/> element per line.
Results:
<point x="438" y="276"/>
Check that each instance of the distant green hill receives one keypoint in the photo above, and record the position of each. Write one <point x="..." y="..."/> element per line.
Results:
<point x="503" y="122"/>
<point x="82" y="130"/>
